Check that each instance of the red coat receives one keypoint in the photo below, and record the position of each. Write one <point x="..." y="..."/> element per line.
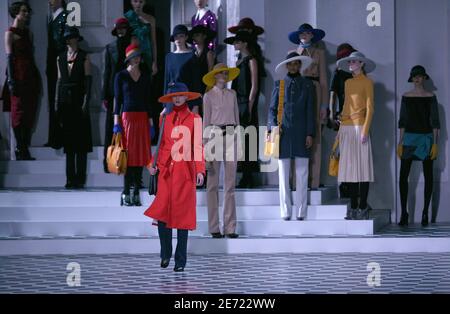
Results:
<point x="175" y="201"/>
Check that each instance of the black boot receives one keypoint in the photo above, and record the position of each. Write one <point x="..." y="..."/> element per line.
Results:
<point x="136" y="199"/>
<point x="425" y="218"/>
<point x="403" y="219"/>
<point x="125" y="199"/>
<point x="26" y="136"/>
<point x="19" y="145"/>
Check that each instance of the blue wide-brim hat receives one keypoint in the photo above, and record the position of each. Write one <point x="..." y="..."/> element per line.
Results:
<point x="179" y="29"/>
<point x="318" y="34"/>
<point x="72" y="32"/>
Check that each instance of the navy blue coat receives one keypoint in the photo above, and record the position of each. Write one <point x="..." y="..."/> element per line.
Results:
<point x="298" y="116"/>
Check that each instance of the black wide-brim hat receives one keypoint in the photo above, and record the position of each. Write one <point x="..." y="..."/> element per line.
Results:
<point x="201" y="29"/>
<point x="418" y="70"/>
<point x="72" y="32"/>
<point x="240" y="36"/>
<point x="317" y="33"/>
<point x="179" y="29"/>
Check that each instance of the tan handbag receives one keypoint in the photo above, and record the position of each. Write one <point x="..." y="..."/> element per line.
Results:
<point x="272" y="140"/>
<point x="117" y="156"/>
<point x="333" y="165"/>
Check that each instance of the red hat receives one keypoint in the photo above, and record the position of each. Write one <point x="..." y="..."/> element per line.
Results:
<point x="247" y="24"/>
<point x="131" y="52"/>
<point x="121" y="21"/>
<point x="344" y="50"/>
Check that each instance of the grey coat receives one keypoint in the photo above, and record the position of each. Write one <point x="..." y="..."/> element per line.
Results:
<point x="298" y="116"/>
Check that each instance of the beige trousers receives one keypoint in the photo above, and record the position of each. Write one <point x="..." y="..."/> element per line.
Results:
<point x="212" y="186"/>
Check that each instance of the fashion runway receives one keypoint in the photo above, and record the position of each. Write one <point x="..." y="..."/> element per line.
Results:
<point x="218" y="273"/>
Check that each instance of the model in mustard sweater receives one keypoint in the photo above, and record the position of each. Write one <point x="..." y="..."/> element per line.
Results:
<point x="356" y="164"/>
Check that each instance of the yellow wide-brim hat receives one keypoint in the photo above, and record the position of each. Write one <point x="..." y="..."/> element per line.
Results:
<point x="210" y="80"/>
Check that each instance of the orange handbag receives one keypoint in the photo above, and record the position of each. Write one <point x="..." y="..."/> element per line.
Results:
<point x="117" y="156"/>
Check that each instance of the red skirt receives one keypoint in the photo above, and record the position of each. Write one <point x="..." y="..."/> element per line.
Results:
<point x="136" y="138"/>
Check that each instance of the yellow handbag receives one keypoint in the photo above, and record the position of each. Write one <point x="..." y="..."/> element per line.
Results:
<point x="117" y="156"/>
<point x="272" y="139"/>
<point x="333" y="165"/>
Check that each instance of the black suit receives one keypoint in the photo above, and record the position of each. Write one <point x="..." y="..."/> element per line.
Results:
<point x="114" y="58"/>
<point x="56" y="45"/>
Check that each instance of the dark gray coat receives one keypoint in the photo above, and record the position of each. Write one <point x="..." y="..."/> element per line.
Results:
<point x="114" y="62"/>
<point x="298" y="116"/>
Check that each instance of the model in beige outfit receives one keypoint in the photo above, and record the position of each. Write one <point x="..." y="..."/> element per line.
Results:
<point x="221" y="116"/>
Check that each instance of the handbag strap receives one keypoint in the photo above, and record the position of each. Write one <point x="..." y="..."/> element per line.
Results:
<point x="117" y="140"/>
<point x="159" y="140"/>
<point x="280" y="103"/>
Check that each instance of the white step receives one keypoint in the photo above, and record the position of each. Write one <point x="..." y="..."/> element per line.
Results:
<point x="57" y="180"/>
<point x="46" y="153"/>
<point x="138" y="228"/>
<point x="51" y="174"/>
<point x="243" y="245"/>
<point x="45" y="167"/>
<point x="31" y="213"/>
<point x="206" y="246"/>
<point x="107" y="198"/>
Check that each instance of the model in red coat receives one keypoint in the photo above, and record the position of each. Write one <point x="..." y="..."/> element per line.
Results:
<point x="181" y="167"/>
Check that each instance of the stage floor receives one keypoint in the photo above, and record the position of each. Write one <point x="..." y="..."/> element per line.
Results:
<point x="218" y="273"/>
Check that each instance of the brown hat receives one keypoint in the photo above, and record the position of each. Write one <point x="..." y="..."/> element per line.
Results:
<point x="247" y="24"/>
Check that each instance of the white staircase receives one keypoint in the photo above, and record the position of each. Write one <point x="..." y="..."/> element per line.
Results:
<point x="34" y="209"/>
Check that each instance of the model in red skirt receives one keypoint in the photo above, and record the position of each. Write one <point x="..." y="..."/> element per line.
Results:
<point x="132" y="119"/>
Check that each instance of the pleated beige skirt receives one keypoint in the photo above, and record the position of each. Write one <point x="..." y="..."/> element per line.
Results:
<point x="355" y="162"/>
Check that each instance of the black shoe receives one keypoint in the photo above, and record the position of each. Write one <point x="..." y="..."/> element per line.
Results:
<point x="363" y="214"/>
<point x="286" y="218"/>
<point x="125" y="199"/>
<point x="217" y="235"/>
<point x="27" y="156"/>
<point x="232" y="235"/>
<point x="424" y="219"/>
<point x="351" y="214"/>
<point x="243" y="184"/>
<point x="165" y="263"/>
<point x="79" y="186"/>
<point x="403" y="220"/>
<point x="70" y="185"/>
<point x="178" y="269"/>
<point x="136" y="200"/>
<point x="301" y="218"/>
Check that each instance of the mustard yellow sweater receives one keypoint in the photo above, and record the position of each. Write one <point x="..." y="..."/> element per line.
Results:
<point x="358" y="106"/>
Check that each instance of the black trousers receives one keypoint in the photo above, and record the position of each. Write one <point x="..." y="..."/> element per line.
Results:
<point x="76" y="166"/>
<point x="405" y="169"/>
<point x="109" y="125"/>
<point x="132" y="178"/>
<point x="359" y="192"/>
<point x="54" y="129"/>
<point x="165" y="238"/>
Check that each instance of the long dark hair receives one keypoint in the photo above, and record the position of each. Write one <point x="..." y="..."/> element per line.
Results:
<point x="255" y="50"/>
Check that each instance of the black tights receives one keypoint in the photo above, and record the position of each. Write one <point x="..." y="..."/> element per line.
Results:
<point x="132" y="178"/>
<point x="360" y="189"/>
<point x="405" y="168"/>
